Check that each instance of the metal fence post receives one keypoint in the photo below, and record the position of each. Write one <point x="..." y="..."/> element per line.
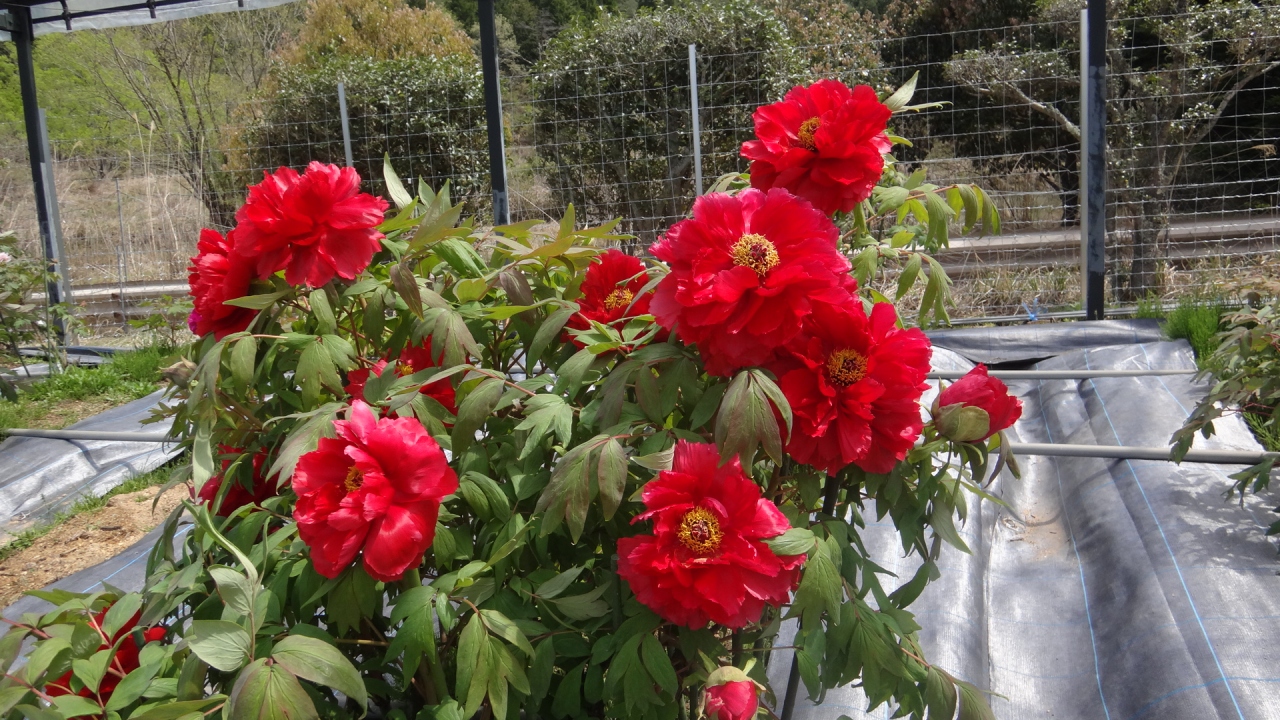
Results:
<point x="1093" y="157"/>
<point x="493" y="113"/>
<point x="55" y="221"/>
<point x="124" y="265"/>
<point x="693" y="113"/>
<point x="346" y="124"/>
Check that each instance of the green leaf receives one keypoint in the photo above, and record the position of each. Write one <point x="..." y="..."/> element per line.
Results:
<point x="540" y="672"/>
<point x="399" y="195"/>
<point x="795" y="541"/>
<point x="237" y="595"/>
<point x="558" y="584"/>
<point x="474" y="411"/>
<point x="70" y="706"/>
<point x="31" y="712"/>
<point x="322" y="663"/>
<point x="243" y="354"/>
<point x="586" y="606"/>
<point x="746" y="419"/>
<point x="90" y="670"/>
<point x="568" y="700"/>
<point x="470" y="644"/>
<point x="819" y="590"/>
<point x="406" y="285"/>
<point x="121" y="612"/>
<point x="902" y="95"/>
<point x="452" y="333"/>
<point x="549" y="330"/>
<point x="611" y="474"/>
<point x="658" y="663"/>
<point x="269" y="692"/>
<point x="940" y="694"/>
<point x="545" y="413"/>
<point x="304" y="439"/>
<point x="183" y="709"/>
<point x="973" y="704"/>
<point x="316" y="369"/>
<point x="224" y="645"/>
<point x="323" y="312"/>
<point x="461" y="257"/>
<point x="568" y="494"/>
<point x="257" y="302"/>
<point x="908" y="276"/>
<point x="502" y="626"/>
<point x="470" y="290"/>
<point x="132" y="686"/>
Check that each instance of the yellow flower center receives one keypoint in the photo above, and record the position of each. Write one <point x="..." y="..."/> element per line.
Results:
<point x="700" y="531"/>
<point x="755" y="252"/>
<point x="619" y="298"/>
<point x="807" y="130"/>
<point x="353" y="480"/>
<point x="846" y="367"/>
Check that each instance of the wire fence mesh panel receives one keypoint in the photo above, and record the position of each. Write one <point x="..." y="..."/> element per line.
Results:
<point x="1193" y="171"/>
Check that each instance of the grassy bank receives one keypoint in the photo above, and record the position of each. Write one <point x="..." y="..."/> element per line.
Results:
<point x="78" y="393"/>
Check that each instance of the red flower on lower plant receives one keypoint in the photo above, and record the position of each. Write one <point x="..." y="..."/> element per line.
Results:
<point x="314" y="226"/>
<point x="215" y="276"/>
<point x="978" y="390"/>
<point x="733" y="700"/>
<point x="414" y="358"/>
<point x="825" y="143"/>
<point x="854" y="385"/>
<point x="706" y="559"/>
<point x="122" y="663"/>
<point x="611" y="292"/>
<point x="375" y="488"/>
<point x="745" y="272"/>
<point x="238" y="495"/>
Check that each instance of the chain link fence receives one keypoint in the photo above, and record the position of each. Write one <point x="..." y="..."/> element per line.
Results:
<point x="1193" y="178"/>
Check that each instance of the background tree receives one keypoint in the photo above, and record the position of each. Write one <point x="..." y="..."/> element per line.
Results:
<point x="1173" y="74"/>
<point x="413" y="91"/>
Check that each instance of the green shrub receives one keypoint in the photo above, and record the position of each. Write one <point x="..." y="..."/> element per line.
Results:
<point x="611" y="120"/>
<point x="427" y="113"/>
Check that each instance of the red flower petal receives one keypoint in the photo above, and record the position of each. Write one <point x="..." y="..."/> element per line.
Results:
<point x="375" y="488"/>
<point x="706" y="560"/>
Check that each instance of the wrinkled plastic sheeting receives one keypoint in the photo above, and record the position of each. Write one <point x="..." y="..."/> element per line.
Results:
<point x="41" y="476"/>
<point x="1110" y="589"/>
<point x="1038" y="341"/>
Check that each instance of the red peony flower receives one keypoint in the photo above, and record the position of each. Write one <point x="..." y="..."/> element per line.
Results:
<point x="745" y="272"/>
<point x="976" y="390"/>
<point x="611" y="292"/>
<point x="238" y="495"/>
<point x="412" y="359"/>
<point x="377" y="488"/>
<point x="706" y="559"/>
<point x="215" y="276"/>
<point x="824" y="142"/>
<point x="854" y="385"/>
<point x="124" y="661"/>
<point x="313" y="226"/>
<point x="734" y="700"/>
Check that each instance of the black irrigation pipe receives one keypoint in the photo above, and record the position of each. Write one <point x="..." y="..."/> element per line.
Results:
<point x="1058" y="374"/>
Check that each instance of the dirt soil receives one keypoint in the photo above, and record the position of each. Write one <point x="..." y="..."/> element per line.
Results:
<point x="84" y="541"/>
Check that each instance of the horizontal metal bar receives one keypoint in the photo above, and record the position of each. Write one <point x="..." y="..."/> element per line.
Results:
<point x="90" y="435"/>
<point x="1119" y="452"/>
<point x="1057" y="374"/>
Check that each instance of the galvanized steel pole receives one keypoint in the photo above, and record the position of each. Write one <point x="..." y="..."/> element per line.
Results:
<point x="493" y="113"/>
<point x="693" y="114"/>
<point x="1093" y="157"/>
<point x="346" y="124"/>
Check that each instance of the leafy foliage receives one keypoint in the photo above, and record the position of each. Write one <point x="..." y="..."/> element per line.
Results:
<point x="1246" y="379"/>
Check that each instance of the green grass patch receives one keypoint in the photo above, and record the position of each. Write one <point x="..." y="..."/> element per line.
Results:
<point x="27" y="538"/>
<point x="1197" y="322"/>
<point x="79" y="392"/>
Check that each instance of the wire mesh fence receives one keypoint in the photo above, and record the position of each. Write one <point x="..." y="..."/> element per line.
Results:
<point x="1193" y="172"/>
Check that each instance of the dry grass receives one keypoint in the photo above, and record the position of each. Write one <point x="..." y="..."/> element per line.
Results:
<point x="161" y="219"/>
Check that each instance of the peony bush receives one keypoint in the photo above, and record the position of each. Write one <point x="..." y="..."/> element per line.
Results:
<point x="447" y="471"/>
